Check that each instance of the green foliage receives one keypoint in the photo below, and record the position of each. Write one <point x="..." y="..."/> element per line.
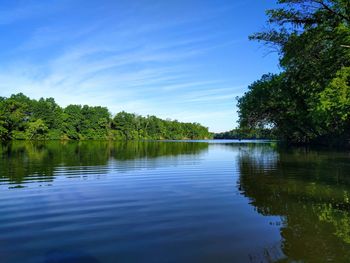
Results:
<point x="37" y="130"/>
<point x="24" y="119"/>
<point x="307" y="102"/>
<point x="12" y="115"/>
<point x="48" y="111"/>
<point x="132" y="126"/>
<point x="239" y="134"/>
<point x="334" y="104"/>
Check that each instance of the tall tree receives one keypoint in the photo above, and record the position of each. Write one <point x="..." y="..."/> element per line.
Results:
<point x="311" y="38"/>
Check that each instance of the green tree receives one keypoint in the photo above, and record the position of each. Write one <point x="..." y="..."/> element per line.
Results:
<point x="333" y="109"/>
<point x="37" y="130"/>
<point x="12" y="117"/>
<point x="310" y="36"/>
<point x="26" y="119"/>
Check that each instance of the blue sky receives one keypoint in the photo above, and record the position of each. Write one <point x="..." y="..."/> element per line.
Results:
<point x="180" y="59"/>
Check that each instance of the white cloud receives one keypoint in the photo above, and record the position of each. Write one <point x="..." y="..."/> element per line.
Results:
<point x="124" y="67"/>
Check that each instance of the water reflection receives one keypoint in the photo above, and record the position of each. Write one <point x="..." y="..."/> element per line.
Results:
<point x="310" y="191"/>
<point x="188" y="202"/>
<point x="41" y="161"/>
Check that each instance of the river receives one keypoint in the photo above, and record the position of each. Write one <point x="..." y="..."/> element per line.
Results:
<point x="197" y="201"/>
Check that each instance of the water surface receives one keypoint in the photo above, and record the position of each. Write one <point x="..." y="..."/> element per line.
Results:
<point x="173" y="202"/>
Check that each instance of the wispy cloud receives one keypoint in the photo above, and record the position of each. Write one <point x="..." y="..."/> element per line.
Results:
<point x="148" y="59"/>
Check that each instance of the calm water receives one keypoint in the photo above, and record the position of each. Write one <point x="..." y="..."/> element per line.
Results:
<point x="172" y="202"/>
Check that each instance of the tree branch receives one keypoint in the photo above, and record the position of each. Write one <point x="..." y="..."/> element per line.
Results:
<point x="329" y="9"/>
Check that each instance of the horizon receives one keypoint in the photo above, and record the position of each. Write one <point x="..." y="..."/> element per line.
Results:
<point x="148" y="58"/>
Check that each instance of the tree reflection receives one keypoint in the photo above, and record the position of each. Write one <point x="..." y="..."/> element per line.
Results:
<point x="310" y="191"/>
<point x="24" y="161"/>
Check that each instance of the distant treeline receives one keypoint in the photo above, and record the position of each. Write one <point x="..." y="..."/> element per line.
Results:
<point x="246" y="134"/>
<point x="22" y="118"/>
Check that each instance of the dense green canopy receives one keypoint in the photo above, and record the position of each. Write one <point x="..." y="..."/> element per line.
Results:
<point x="22" y="118"/>
<point x="309" y="101"/>
<point x="249" y="134"/>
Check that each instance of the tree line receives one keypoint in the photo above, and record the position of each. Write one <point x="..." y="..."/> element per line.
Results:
<point x="22" y="118"/>
<point x="248" y="134"/>
<point x="309" y="100"/>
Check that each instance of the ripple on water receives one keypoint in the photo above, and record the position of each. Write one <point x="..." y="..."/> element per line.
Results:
<point x="172" y="202"/>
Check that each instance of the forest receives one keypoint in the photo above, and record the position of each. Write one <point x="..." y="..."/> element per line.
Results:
<point x="247" y="134"/>
<point x="22" y="118"/>
<point x="308" y="102"/>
